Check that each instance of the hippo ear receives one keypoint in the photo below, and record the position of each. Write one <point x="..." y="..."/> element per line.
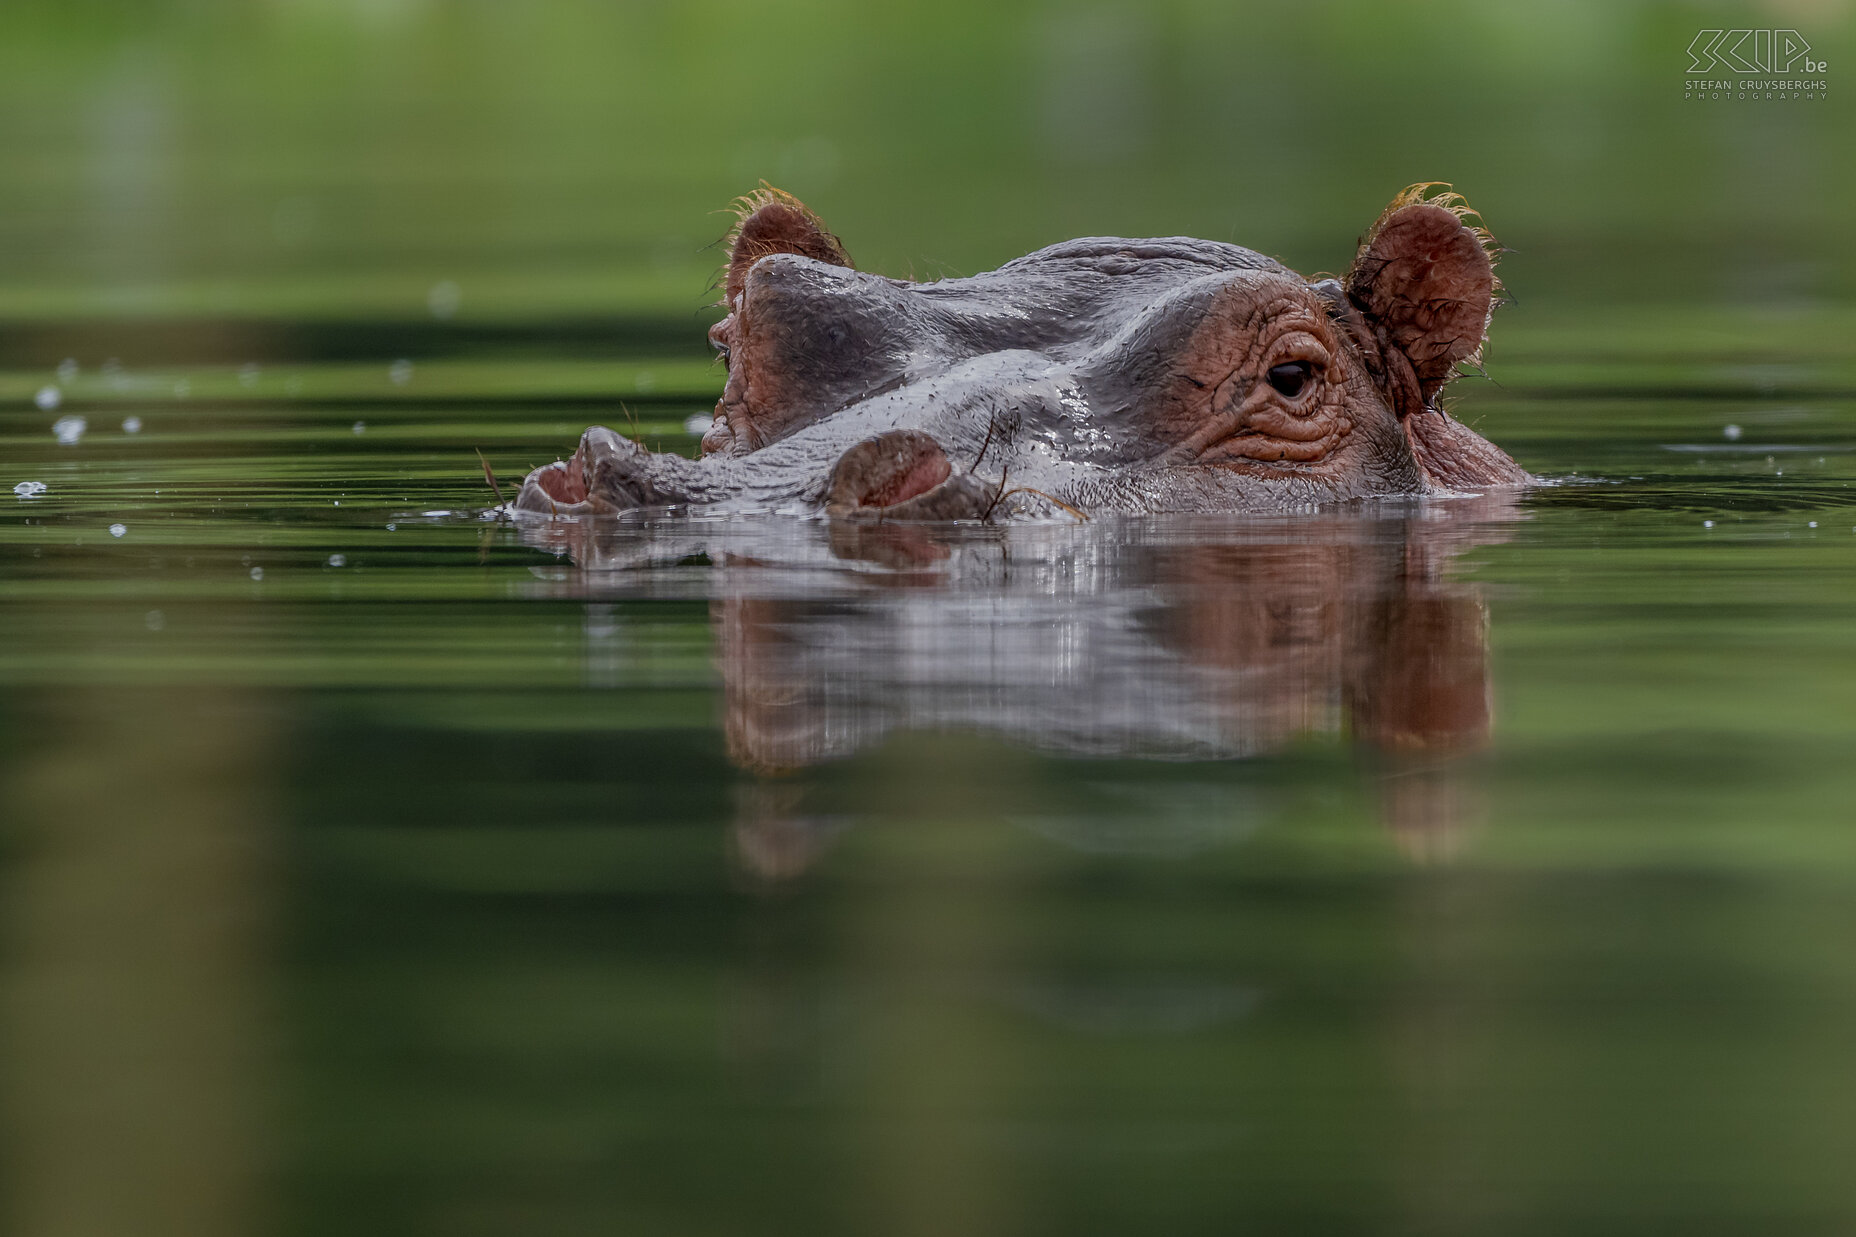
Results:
<point x="1425" y="280"/>
<point x="771" y="220"/>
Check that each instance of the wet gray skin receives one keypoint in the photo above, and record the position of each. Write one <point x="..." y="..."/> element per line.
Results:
<point x="1097" y="375"/>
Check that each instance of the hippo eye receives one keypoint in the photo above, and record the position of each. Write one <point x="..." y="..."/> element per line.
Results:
<point x="1290" y="377"/>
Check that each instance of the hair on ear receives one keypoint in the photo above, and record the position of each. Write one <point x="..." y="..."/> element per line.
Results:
<point x="769" y="221"/>
<point x="1424" y="276"/>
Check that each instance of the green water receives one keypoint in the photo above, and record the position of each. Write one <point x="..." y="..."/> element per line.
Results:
<point x="371" y="866"/>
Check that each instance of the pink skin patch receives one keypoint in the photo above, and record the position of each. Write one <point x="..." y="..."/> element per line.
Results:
<point x="565" y="483"/>
<point x="888" y="469"/>
<point x="920" y="475"/>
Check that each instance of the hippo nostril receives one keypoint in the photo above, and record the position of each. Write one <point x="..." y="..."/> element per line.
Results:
<point x="887" y="470"/>
<point x="606" y="473"/>
<point x="563" y="481"/>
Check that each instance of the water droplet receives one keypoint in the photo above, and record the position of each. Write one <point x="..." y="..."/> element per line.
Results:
<point x="117" y="530"/>
<point x="1813" y="524"/>
<point x="444" y="298"/>
<point x="257" y="573"/>
<point x="48" y="398"/>
<point x="154" y="620"/>
<point x="67" y="369"/>
<point x="338" y="502"/>
<point x="1731" y="433"/>
<point x="1707" y="523"/>
<point x="32" y="489"/>
<point x="400" y="372"/>
<point x="69" y="429"/>
<point x="392" y="527"/>
<point x="338" y="560"/>
<point x="132" y="425"/>
<point x="360" y="427"/>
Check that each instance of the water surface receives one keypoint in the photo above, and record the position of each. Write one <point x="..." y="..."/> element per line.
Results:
<point x="375" y="864"/>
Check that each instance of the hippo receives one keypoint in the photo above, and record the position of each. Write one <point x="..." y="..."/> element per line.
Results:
<point x="1096" y="375"/>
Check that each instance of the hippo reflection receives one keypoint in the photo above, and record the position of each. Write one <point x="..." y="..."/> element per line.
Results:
<point x="1173" y="639"/>
<point x="1098" y="375"/>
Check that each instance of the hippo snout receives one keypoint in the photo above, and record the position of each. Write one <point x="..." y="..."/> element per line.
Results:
<point x="606" y="473"/>
<point x="905" y="475"/>
<point x="902" y="474"/>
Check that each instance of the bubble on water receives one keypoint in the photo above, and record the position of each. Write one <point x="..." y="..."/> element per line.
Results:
<point x="29" y="489"/>
<point x="1707" y="523"/>
<point x="48" y="398"/>
<point x="132" y="425"/>
<point x="67" y="369"/>
<point x="443" y="299"/>
<point x="434" y="515"/>
<point x="154" y="620"/>
<point x="338" y="560"/>
<point x="69" y="429"/>
<point x="1812" y="524"/>
<point x="392" y="527"/>
<point x="257" y="573"/>
<point x="360" y="427"/>
<point x="248" y="374"/>
<point x="700" y="423"/>
<point x="1731" y="433"/>
<point x="118" y="530"/>
<point x="400" y="372"/>
<point x="338" y="502"/>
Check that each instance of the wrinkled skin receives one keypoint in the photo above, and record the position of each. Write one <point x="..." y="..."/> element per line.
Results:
<point x="1098" y="375"/>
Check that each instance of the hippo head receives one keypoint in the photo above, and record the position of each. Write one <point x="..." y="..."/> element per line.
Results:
<point x="1095" y="375"/>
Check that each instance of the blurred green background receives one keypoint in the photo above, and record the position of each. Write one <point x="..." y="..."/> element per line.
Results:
<point x="343" y="157"/>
